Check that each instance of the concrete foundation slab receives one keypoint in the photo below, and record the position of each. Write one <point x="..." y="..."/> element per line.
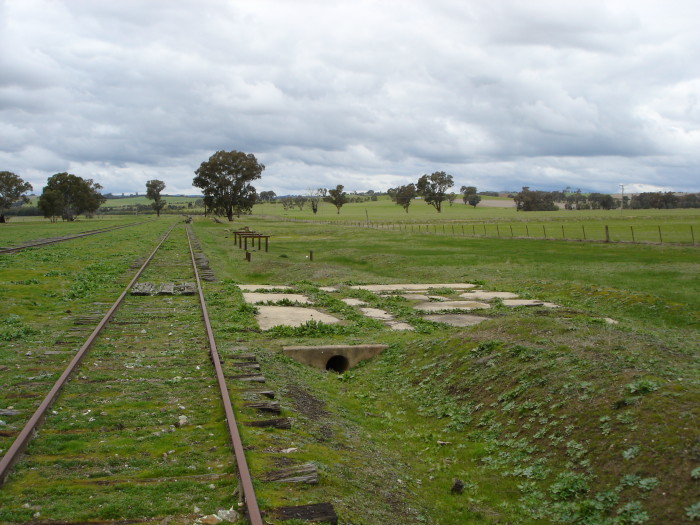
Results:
<point x="269" y="316"/>
<point x="254" y="297"/>
<point x="351" y="301"/>
<point x="386" y="318"/>
<point x="523" y="302"/>
<point x="451" y="305"/>
<point x="254" y="287"/>
<point x="423" y="297"/>
<point x="335" y="357"/>
<point x="484" y="295"/>
<point x="460" y="320"/>
<point x="399" y="326"/>
<point x="376" y="313"/>
<point x="411" y="287"/>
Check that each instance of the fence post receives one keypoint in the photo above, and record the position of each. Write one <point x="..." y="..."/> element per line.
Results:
<point x="563" y="236"/>
<point x="544" y="231"/>
<point x="511" y="230"/>
<point x="632" y="230"/>
<point x="498" y="230"/>
<point x="660" y="239"/>
<point x="607" y="234"/>
<point x="583" y="228"/>
<point x="311" y="255"/>
<point x="527" y="231"/>
<point x="692" y="234"/>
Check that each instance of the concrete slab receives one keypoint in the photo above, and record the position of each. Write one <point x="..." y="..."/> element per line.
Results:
<point x="329" y="289"/>
<point x="411" y="287"/>
<point x="399" y="326"/>
<point x="254" y="287"/>
<point x="423" y="297"/>
<point x="351" y="301"/>
<point x="376" y="313"/>
<point x="269" y="316"/>
<point x="484" y="295"/>
<point x="451" y="305"/>
<point x="254" y="297"/>
<point x="166" y="289"/>
<point x="386" y="318"/>
<point x="522" y="302"/>
<point x="460" y="320"/>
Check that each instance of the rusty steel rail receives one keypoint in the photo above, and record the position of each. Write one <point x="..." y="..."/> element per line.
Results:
<point x="67" y="238"/>
<point x="246" y="481"/>
<point x="19" y="444"/>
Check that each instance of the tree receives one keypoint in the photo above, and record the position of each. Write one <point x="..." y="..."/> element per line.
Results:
<point x="433" y="187"/>
<point x="300" y="202"/>
<point x="473" y="200"/>
<point x="153" y="189"/>
<point x="68" y="195"/>
<point x="225" y="180"/>
<point x="315" y="197"/>
<point x="467" y="191"/>
<point x="12" y="189"/>
<point x="403" y="195"/>
<point x="267" y="196"/>
<point x="51" y="204"/>
<point x="527" y="200"/>
<point x="287" y="203"/>
<point x="451" y="197"/>
<point x="337" y="197"/>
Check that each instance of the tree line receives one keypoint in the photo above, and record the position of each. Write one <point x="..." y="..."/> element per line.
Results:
<point x="226" y="183"/>
<point x="529" y="200"/>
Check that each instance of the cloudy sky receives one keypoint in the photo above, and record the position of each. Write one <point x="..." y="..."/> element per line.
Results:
<point x="365" y="93"/>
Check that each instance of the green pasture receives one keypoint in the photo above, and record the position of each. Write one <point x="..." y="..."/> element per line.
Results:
<point x="141" y="199"/>
<point x="546" y="415"/>
<point x="25" y="229"/>
<point x="662" y="226"/>
<point x="552" y="416"/>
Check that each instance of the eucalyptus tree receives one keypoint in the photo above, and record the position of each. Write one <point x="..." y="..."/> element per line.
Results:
<point x="337" y="197"/>
<point x="225" y="180"/>
<point x="12" y="190"/>
<point x="433" y="188"/>
<point x="153" y="189"/>
<point x="67" y="195"/>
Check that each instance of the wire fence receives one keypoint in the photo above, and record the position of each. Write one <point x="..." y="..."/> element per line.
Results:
<point x="684" y="234"/>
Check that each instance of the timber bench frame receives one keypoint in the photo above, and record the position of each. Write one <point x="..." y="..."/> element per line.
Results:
<point x="241" y="237"/>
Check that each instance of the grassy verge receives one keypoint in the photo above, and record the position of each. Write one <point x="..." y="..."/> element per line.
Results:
<point x="544" y="415"/>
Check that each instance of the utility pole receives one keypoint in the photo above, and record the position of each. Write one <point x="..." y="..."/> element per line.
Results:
<point x="622" y="197"/>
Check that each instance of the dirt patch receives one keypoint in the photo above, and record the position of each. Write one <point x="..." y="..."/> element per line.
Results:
<point x="306" y="404"/>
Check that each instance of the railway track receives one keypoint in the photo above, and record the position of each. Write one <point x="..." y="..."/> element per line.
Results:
<point x="53" y="240"/>
<point x="139" y="411"/>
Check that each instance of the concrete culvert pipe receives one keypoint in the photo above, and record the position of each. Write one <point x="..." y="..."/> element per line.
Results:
<point x="338" y="363"/>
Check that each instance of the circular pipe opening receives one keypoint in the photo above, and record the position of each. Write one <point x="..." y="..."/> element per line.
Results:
<point x="338" y="363"/>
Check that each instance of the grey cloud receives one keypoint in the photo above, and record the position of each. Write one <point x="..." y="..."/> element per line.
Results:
<point x="500" y="94"/>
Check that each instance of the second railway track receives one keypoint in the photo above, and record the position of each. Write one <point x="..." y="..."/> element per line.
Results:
<point x="141" y="415"/>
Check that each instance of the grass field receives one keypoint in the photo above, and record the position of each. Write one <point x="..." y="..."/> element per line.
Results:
<point x="563" y="423"/>
<point x="547" y="416"/>
<point x="24" y="229"/>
